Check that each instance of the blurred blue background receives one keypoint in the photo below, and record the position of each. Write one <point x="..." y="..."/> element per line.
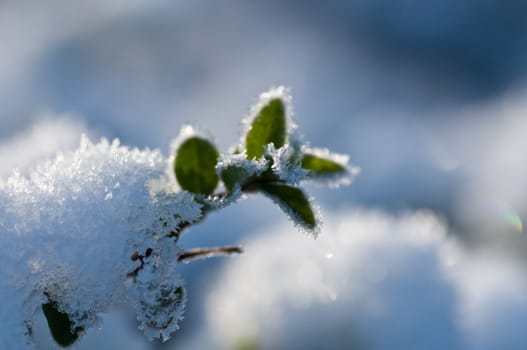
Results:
<point x="428" y="98"/>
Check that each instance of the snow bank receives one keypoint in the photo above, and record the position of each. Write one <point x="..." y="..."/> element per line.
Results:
<point x="67" y="232"/>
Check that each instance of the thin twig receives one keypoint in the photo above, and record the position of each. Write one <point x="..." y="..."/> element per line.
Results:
<point x="201" y="253"/>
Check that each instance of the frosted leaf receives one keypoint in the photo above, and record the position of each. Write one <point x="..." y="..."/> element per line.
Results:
<point x="63" y="235"/>
<point x="214" y="202"/>
<point x="282" y="93"/>
<point x="300" y="209"/>
<point x="336" y="178"/>
<point x="195" y="164"/>
<point x="241" y="167"/>
<point x="185" y="132"/>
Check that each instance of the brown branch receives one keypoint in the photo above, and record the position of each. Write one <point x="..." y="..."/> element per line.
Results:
<point x="201" y="253"/>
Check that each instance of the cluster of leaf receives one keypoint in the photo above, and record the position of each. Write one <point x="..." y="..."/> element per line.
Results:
<point x="270" y="159"/>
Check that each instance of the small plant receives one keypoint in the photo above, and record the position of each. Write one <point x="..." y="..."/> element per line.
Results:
<point x="270" y="159"/>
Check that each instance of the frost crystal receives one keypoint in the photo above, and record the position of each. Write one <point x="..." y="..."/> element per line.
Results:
<point x="160" y="301"/>
<point x="67" y="232"/>
<point x="286" y="163"/>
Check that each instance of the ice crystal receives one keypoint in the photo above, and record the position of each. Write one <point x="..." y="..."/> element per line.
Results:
<point x="287" y="163"/>
<point x="160" y="300"/>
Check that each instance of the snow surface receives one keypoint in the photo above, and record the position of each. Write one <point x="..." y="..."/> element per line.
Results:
<point x="48" y="134"/>
<point x="372" y="280"/>
<point x="69" y="228"/>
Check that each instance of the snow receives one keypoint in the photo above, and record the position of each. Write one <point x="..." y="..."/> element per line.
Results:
<point x="68" y="229"/>
<point x="336" y="280"/>
<point x="372" y="280"/>
<point x="47" y="134"/>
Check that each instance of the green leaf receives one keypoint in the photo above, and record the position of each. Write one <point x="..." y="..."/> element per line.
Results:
<point x="293" y="201"/>
<point x="236" y="175"/>
<point x="60" y="325"/>
<point x="269" y="126"/>
<point x="233" y="175"/>
<point x="195" y="165"/>
<point x="321" y="166"/>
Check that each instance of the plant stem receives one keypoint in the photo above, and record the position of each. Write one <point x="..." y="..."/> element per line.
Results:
<point x="200" y="253"/>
